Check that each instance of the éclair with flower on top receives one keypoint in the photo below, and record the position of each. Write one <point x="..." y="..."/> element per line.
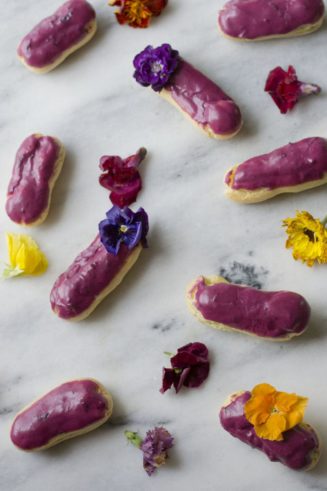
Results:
<point x="195" y="95"/>
<point x="101" y="267"/>
<point x="272" y="421"/>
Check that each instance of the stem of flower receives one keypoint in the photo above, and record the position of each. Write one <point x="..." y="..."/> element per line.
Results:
<point x="169" y="354"/>
<point x="142" y="153"/>
<point x="308" y="89"/>
<point x="134" y="438"/>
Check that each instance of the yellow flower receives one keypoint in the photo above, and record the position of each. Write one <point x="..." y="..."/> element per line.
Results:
<point x="25" y="257"/>
<point x="135" y="13"/>
<point x="308" y="238"/>
<point x="272" y="412"/>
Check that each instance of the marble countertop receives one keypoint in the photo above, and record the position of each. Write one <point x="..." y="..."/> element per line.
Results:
<point x="93" y="105"/>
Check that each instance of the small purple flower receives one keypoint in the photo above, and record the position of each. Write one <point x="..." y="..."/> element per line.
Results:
<point x="154" y="447"/>
<point x="190" y="367"/>
<point x="155" y="66"/>
<point x="123" y="226"/>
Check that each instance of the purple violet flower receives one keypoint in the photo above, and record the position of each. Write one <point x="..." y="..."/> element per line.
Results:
<point x="155" y="66"/>
<point x="154" y="447"/>
<point x="190" y="367"/>
<point x="123" y="226"/>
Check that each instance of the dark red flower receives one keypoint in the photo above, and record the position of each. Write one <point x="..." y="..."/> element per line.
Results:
<point x="286" y="89"/>
<point x="190" y="367"/>
<point x="121" y="177"/>
<point x="137" y="13"/>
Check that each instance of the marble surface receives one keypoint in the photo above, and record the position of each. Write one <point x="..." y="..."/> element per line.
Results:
<point x="93" y="105"/>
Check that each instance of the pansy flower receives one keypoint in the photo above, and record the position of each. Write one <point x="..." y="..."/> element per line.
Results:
<point x="272" y="412"/>
<point x="155" y="66"/>
<point x="307" y="236"/>
<point x="190" y="368"/>
<point x="285" y="88"/>
<point x="123" y="226"/>
<point x="137" y="13"/>
<point x="154" y="447"/>
<point x="121" y="177"/>
<point x="25" y="257"/>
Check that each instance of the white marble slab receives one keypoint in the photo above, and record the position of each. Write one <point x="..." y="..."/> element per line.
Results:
<point x="95" y="107"/>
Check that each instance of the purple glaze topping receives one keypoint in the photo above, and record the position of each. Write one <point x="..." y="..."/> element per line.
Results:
<point x="294" y="450"/>
<point x="70" y="407"/>
<point x="28" y="191"/>
<point x="251" y="19"/>
<point x="91" y="272"/>
<point x="293" y="164"/>
<point x="203" y="100"/>
<point x="266" y="314"/>
<point x="52" y="36"/>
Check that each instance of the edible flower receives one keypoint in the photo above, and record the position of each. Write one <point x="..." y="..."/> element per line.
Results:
<point x="272" y="412"/>
<point x="137" y="13"/>
<point x="286" y="89"/>
<point x="307" y="236"/>
<point x="155" y="66"/>
<point x="123" y="226"/>
<point x="190" y="367"/>
<point x="154" y="447"/>
<point x="25" y="257"/>
<point x="121" y="177"/>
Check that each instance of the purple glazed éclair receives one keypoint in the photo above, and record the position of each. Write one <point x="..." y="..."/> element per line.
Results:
<point x="84" y="284"/>
<point x="260" y="19"/>
<point x="299" y="449"/>
<point x="55" y="37"/>
<point x="295" y="166"/>
<point x="203" y="101"/>
<point x="37" y="165"/>
<point x="278" y="315"/>
<point x="70" y="409"/>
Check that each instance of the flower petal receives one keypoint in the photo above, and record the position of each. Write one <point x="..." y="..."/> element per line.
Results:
<point x="168" y="377"/>
<point x="25" y="255"/>
<point x="273" y="428"/>
<point x="307" y="237"/>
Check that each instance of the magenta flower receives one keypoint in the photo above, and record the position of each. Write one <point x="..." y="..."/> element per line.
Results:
<point x="154" y="447"/>
<point x="121" y="177"/>
<point x="285" y="88"/>
<point x="190" y="367"/>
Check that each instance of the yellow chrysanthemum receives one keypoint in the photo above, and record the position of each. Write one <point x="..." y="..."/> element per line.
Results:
<point x="307" y="236"/>
<point x="272" y="412"/>
<point x="25" y="257"/>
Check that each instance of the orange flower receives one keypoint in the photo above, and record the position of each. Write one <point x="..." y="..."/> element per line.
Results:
<point x="137" y="13"/>
<point x="272" y="412"/>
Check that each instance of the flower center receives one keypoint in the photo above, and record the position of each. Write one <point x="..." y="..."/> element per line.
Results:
<point x="156" y="67"/>
<point x="123" y="229"/>
<point x="309" y="233"/>
<point x="136" y="10"/>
